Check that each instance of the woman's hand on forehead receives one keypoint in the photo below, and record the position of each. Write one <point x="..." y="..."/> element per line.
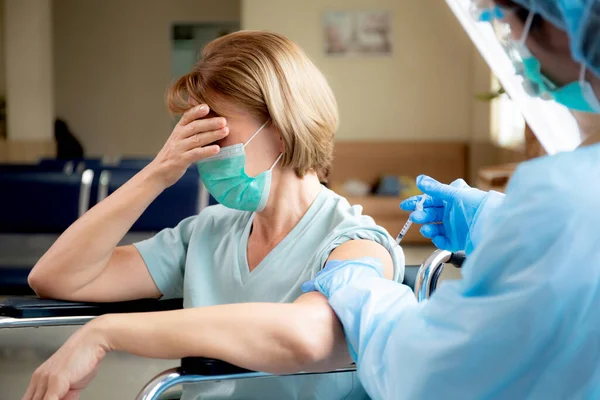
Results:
<point x="193" y="139"/>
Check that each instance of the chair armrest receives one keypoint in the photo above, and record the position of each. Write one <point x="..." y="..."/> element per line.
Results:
<point x="410" y="275"/>
<point x="31" y="307"/>
<point x="457" y="259"/>
<point x="208" y="367"/>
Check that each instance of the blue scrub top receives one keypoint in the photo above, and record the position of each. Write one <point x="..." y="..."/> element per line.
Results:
<point x="524" y="322"/>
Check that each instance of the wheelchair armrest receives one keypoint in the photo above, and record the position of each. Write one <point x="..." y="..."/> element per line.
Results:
<point x="200" y="369"/>
<point x="208" y="367"/>
<point x="410" y="275"/>
<point x="458" y="259"/>
<point x="31" y="307"/>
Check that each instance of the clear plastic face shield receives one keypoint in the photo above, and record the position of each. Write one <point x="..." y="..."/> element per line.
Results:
<point x="553" y="124"/>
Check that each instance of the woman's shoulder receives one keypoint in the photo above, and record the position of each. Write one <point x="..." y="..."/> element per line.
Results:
<point x="340" y="211"/>
<point x="347" y="222"/>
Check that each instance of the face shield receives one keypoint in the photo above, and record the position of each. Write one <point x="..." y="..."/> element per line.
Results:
<point x="553" y="124"/>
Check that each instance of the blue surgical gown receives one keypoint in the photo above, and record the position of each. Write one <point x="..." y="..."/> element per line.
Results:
<point x="524" y="322"/>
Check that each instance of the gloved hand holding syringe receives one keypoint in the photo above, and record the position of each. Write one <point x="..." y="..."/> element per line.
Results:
<point x="407" y="225"/>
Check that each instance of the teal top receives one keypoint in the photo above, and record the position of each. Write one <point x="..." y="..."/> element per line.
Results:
<point x="203" y="260"/>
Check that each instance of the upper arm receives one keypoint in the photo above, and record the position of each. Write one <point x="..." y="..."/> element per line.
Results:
<point x="355" y="249"/>
<point x="165" y="257"/>
<point x="149" y="269"/>
<point x="325" y="335"/>
<point x="125" y="277"/>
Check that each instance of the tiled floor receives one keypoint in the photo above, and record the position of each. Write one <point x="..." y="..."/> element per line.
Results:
<point x="121" y="375"/>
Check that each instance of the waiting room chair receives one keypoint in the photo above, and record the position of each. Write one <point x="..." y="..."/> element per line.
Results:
<point x="32" y="312"/>
<point x="36" y="205"/>
<point x="187" y="197"/>
<point x="42" y="201"/>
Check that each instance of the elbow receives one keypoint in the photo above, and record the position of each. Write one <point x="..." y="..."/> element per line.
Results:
<point x="315" y="340"/>
<point x="35" y="282"/>
<point x="38" y="281"/>
<point x="305" y="353"/>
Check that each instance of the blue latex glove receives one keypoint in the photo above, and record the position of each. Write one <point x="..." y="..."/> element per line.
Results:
<point x="448" y="212"/>
<point x="338" y="273"/>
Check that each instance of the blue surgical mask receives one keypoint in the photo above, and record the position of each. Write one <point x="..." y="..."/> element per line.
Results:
<point x="578" y="96"/>
<point x="489" y="14"/>
<point x="225" y="178"/>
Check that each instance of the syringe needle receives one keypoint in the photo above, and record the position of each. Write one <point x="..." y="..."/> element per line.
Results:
<point x="407" y="225"/>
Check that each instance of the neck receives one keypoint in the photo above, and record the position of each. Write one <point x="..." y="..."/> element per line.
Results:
<point x="289" y="200"/>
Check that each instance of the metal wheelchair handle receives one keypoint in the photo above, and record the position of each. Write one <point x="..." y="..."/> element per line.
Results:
<point x="431" y="270"/>
<point x="457" y="259"/>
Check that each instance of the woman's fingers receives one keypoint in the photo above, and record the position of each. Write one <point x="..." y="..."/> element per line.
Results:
<point x="57" y="389"/>
<point x="72" y="395"/>
<point x="205" y="138"/>
<point x="200" y="153"/>
<point x="30" y="391"/>
<point x="195" y="113"/>
<point x="202" y="125"/>
<point x="40" y="384"/>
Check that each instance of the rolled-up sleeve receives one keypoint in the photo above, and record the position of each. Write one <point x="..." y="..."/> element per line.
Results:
<point x="165" y="255"/>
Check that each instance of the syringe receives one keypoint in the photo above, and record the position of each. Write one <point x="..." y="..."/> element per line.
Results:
<point x="407" y="225"/>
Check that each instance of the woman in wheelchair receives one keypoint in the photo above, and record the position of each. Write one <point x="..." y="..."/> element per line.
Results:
<point x="259" y="120"/>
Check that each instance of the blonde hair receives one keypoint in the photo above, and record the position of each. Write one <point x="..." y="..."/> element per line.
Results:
<point x="270" y="76"/>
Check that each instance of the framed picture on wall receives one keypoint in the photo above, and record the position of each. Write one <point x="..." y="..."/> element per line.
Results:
<point x="357" y="33"/>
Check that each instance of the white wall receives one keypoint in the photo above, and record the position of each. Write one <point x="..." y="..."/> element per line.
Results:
<point x="113" y="62"/>
<point x="27" y="47"/>
<point x="424" y="91"/>
<point x="113" y="66"/>
<point x="2" y="45"/>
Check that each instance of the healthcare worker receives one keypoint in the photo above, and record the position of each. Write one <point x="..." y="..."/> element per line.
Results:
<point x="524" y="322"/>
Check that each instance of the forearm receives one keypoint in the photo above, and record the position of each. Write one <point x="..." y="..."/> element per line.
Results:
<point x="275" y="338"/>
<point x="84" y="249"/>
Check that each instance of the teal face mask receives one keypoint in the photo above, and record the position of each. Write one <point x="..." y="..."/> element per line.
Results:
<point x="578" y="96"/>
<point x="225" y="178"/>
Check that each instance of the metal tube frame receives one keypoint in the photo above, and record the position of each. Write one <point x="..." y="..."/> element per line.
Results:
<point x="103" y="183"/>
<point x="169" y="378"/>
<point x="85" y="191"/>
<point x="427" y="271"/>
<point x="7" y="322"/>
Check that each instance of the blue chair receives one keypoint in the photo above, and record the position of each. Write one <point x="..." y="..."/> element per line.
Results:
<point x="32" y="312"/>
<point x="79" y="165"/>
<point x="212" y="201"/>
<point x="35" y="206"/>
<point x="68" y="168"/>
<point x="42" y="201"/>
<point x="139" y="163"/>
<point x="184" y="199"/>
<point x="133" y="163"/>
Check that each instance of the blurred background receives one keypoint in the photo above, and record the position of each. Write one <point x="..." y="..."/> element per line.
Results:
<point x="82" y="97"/>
